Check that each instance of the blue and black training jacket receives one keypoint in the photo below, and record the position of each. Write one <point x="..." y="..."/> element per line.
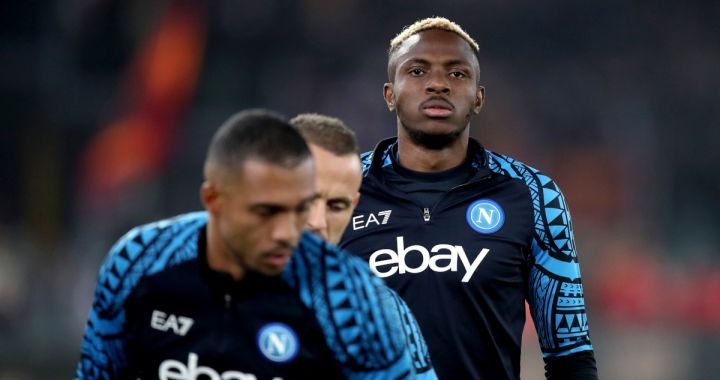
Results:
<point x="160" y="312"/>
<point x="467" y="264"/>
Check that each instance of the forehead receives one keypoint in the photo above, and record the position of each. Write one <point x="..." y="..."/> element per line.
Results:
<point x="336" y="173"/>
<point x="262" y="182"/>
<point x="434" y="44"/>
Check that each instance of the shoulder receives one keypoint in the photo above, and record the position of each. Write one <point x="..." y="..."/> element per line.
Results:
<point x="543" y="189"/>
<point x="508" y="166"/>
<point x="366" y="160"/>
<point x="381" y="150"/>
<point x="351" y="304"/>
<point x="148" y="249"/>
<point x="366" y="157"/>
<point x="551" y="210"/>
<point x="345" y="273"/>
<point x="154" y="239"/>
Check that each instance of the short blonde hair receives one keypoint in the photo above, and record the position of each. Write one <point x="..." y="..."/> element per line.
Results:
<point x="432" y="23"/>
<point x="327" y="132"/>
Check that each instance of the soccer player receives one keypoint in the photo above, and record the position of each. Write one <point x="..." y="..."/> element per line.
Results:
<point x="466" y="235"/>
<point x="240" y="291"/>
<point x="338" y="174"/>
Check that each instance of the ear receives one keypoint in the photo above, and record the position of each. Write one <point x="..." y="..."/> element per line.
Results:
<point x="210" y="197"/>
<point x="388" y="95"/>
<point x="479" y="99"/>
<point x="356" y="199"/>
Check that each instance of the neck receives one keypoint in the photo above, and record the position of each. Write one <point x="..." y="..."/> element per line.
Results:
<point x="421" y="159"/>
<point x="218" y="256"/>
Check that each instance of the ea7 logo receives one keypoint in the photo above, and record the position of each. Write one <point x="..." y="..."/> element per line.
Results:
<point x="359" y="222"/>
<point x="163" y="322"/>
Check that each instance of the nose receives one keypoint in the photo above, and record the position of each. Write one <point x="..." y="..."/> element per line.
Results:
<point x="437" y="83"/>
<point x="287" y="229"/>
<point x="317" y="223"/>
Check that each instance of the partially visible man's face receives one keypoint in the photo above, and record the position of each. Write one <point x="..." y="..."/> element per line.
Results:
<point x="261" y="211"/>
<point x="337" y="181"/>
<point x="434" y="89"/>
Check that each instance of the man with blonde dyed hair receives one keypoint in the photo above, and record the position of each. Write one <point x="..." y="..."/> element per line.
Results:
<point x="437" y="23"/>
<point x="471" y="235"/>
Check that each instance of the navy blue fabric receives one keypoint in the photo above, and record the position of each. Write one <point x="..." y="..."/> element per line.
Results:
<point x="158" y="307"/>
<point x="466" y="265"/>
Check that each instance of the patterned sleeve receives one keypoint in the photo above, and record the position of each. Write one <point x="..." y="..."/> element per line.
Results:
<point x="555" y="291"/>
<point x="413" y="337"/>
<point x="388" y="343"/>
<point x="142" y="251"/>
<point x="359" y="318"/>
<point x="102" y="354"/>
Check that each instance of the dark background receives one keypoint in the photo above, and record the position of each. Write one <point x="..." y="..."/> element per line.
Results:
<point x="108" y="107"/>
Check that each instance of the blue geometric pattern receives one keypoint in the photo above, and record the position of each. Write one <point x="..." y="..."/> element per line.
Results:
<point x="413" y="337"/>
<point x="350" y="305"/>
<point x="555" y="291"/>
<point x="366" y="160"/>
<point x="142" y="251"/>
<point x="541" y="294"/>
<point x="552" y="220"/>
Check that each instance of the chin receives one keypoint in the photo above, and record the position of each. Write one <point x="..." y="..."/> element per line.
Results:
<point x="272" y="272"/>
<point x="437" y="125"/>
<point x="434" y="140"/>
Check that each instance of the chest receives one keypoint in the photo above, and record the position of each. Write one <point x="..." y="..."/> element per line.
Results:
<point x="263" y="335"/>
<point x="472" y="239"/>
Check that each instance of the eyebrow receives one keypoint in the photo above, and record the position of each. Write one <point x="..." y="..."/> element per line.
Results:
<point x="425" y="62"/>
<point x="340" y="199"/>
<point x="276" y="207"/>
<point x="457" y="62"/>
<point x="415" y="61"/>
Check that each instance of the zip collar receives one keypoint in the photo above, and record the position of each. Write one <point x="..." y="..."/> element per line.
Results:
<point x="379" y="157"/>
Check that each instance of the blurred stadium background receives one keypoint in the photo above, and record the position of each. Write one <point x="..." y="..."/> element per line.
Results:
<point x="108" y="105"/>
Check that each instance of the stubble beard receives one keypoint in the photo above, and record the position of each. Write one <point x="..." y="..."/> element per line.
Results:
<point x="432" y="141"/>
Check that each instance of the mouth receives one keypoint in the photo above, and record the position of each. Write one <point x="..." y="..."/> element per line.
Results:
<point x="436" y="108"/>
<point x="278" y="257"/>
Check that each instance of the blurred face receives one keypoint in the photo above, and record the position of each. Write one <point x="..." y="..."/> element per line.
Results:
<point x="434" y="88"/>
<point x="337" y="181"/>
<point x="257" y="215"/>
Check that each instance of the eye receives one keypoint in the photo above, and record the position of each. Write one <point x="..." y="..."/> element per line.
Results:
<point x="266" y="212"/>
<point x="338" y="206"/>
<point x="416" y="72"/>
<point x="458" y="74"/>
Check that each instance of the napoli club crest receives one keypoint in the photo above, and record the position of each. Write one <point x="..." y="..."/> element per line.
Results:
<point x="485" y="216"/>
<point x="278" y="342"/>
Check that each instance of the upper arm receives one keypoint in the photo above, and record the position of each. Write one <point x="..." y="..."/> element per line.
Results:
<point x="361" y="318"/>
<point x="102" y="354"/>
<point x="102" y="351"/>
<point x="555" y="291"/>
<point x="412" y="335"/>
<point x="386" y="344"/>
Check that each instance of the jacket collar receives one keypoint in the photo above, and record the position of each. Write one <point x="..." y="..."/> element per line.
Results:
<point x="380" y="157"/>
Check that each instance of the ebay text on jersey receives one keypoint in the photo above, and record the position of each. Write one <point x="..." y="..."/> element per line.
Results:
<point x="387" y="262"/>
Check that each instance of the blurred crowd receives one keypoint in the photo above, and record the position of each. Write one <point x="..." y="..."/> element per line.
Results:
<point x="109" y="105"/>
